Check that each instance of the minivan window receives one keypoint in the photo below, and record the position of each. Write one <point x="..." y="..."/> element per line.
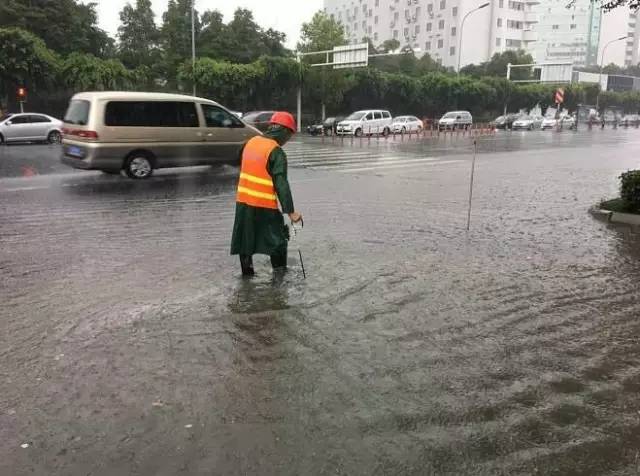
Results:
<point x="356" y="116"/>
<point x="151" y="114"/>
<point x="217" y="117"/>
<point x="78" y="112"/>
<point x="369" y="116"/>
<point x="450" y="115"/>
<point x="386" y="114"/>
<point x="378" y="115"/>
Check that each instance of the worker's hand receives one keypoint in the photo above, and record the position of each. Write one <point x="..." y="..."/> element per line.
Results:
<point x="295" y="217"/>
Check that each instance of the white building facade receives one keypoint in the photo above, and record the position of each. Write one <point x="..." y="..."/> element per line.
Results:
<point x="550" y="30"/>
<point x="434" y="26"/>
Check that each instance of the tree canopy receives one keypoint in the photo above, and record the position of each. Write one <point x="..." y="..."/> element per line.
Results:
<point x="138" y="35"/>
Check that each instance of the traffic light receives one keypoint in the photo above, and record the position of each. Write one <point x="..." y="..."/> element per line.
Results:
<point x="22" y="94"/>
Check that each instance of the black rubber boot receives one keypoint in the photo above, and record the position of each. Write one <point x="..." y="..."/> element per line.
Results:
<point x="279" y="260"/>
<point x="246" y="262"/>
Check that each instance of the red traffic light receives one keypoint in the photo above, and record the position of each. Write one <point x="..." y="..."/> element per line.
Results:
<point x="22" y="92"/>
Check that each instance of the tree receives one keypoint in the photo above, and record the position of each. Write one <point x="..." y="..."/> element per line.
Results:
<point x="65" y="25"/>
<point x="25" y="61"/>
<point x="138" y="35"/>
<point x="175" y="37"/>
<point x="82" y="72"/>
<point x="321" y="33"/>
<point x="389" y="45"/>
<point x="608" y="5"/>
<point x="247" y="38"/>
<point x="497" y="66"/>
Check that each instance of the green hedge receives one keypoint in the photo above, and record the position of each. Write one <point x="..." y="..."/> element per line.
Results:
<point x="630" y="188"/>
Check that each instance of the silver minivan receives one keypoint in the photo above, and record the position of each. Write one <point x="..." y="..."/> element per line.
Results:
<point x="373" y="121"/>
<point x="140" y="132"/>
<point x="456" y="120"/>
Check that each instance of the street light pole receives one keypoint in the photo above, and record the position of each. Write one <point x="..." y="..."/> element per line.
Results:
<point x="193" y="45"/>
<point x="602" y="66"/>
<point x="484" y="5"/>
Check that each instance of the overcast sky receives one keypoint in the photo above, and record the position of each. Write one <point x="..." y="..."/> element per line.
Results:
<point x="283" y="15"/>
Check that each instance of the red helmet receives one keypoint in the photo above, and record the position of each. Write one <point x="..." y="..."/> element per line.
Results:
<point x="284" y="119"/>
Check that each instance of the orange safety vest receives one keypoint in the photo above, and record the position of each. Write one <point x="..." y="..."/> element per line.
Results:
<point x="255" y="187"/>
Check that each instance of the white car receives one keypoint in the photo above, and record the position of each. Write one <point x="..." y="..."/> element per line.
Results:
<point x="404" y="124"/>
<point x="30" y="127"/>
<point x="527" y="122"/>
<point x="566" y="122"/>
<point x="374" y="121"/>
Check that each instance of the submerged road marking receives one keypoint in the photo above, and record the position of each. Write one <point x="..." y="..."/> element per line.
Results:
<point x="398" y="166"/>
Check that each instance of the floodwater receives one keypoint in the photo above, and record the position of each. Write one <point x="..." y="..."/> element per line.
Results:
<point x="130" y="344"/>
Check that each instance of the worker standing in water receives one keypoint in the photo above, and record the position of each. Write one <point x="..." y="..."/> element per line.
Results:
<point x="259" y="226"/>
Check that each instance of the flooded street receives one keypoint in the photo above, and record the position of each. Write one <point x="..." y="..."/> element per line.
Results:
<point x="130" y="344"/>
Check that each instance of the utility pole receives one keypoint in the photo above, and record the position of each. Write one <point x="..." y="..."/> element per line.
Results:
<point x="193" y="44"/>
<point x="602" y="66"/>
<point x="484" y="5"/>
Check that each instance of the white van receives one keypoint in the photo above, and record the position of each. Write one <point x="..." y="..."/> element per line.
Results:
<point x="373" y="121"/>
<point x="140" y="132"/>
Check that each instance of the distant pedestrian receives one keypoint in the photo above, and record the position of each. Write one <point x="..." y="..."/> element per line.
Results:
<point x="259" y="227"/>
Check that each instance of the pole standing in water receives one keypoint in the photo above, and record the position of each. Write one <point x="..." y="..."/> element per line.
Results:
<point x="259" y="226"/>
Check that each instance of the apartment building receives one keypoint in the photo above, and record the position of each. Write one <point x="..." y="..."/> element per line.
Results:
<point x="551" y="30"/>
<point x="433" y="26"/>
<point x="615" y="24"/>
<point x="567" y="32"/>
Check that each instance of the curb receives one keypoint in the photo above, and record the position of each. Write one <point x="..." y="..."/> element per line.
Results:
<point x="614" y="217"/>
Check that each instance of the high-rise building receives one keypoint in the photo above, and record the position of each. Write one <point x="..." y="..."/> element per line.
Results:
<point x="616" y="24"/>
<point x="567" y="33"/>
<point x="434" y="26"/>
<point x="547" y="29"/>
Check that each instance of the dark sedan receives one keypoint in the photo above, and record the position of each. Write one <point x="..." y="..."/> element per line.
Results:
<point x="506" y="122"/>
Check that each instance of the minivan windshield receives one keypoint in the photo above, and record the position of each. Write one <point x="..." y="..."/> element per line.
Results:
<point x="451" y="115"/>
<point x="78" y="112"/>
<point x="356" y="116"/>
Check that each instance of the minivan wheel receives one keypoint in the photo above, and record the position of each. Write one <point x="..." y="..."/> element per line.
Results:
<point x="385" y="132"/>
<point x="54" y="137"/>
<point x="138" y="166"/>
<point x="358" y="132"/>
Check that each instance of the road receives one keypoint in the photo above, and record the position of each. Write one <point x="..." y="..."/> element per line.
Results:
<point x="130" y="344"/>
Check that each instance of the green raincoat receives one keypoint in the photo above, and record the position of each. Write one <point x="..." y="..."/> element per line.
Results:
<point x="262" y="230"/>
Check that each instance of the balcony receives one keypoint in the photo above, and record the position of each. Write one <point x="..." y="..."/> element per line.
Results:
<point x="529" y="35"/>
<point x="530" y="17"/>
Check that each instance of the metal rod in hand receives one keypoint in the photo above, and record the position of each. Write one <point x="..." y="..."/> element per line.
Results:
<point x="473" y="171"/>
<point x="304" y="273"/>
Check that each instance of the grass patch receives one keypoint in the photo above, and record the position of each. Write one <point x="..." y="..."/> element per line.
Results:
<point x="619" y="205"/>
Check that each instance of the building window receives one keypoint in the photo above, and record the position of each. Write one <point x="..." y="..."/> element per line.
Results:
<point x="498" y="41"/>
<point x="375" y="36"/>
<point x="406" y="32"/>
<point x="513" y="43"/>
<point x="370" y="12"/>
<point x="427" y="46"/>
<point x="440" y="43"/>
<point x="375" y="20"/>
<point x="452" y="51"/>
<point x="364" y="25"/>
<point x="501" y="4"/>
<point x="499" y="22"/>
<point x="555" y="27"/>
<point x="417" y="30"/>
<point x="369" y="30"/>
<point x="443" y="4"/>
<point x="441" y="24"/>
<point x="573" y="26"/>
<point x="428" y="26"/>
<point x="407" y="14"/>
<point x="516" y="5"/>
<point x="418" y="11"/>
<point x="377" y="3"/>
<point x="396" y="15"/>
<point x="355" y="27"/>
<point x="454" y="11"/>
<point x="453" y="31"/>
<point x="514" y="25"/>
<point x="395" y="34"/>
<point x="430" y="9"/>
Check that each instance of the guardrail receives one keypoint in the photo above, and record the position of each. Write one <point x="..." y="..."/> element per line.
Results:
<point x="475" y="130"/>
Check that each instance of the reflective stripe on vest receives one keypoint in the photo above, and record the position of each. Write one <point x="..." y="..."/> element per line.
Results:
<point x="255" y="187"/>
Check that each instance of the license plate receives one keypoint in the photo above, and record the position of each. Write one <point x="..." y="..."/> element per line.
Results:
<point x="75" y="151"/>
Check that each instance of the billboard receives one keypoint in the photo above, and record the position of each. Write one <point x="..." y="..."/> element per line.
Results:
<point x="351" y="56"/>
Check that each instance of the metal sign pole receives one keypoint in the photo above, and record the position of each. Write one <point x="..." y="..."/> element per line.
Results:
<point x="473" y="170"/>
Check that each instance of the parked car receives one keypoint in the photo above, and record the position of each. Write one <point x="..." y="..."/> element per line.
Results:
<point x="565" y="122"/>
<point x="528" y="123"/>
<point x="330" y="125"/>
<point x="374" y="121"/>
<point x="506" y="122"/>
<point x="549" y="123"/>
<point x="315" y="129"/>
<point x="403" y="124"/>
<point x="140" y="132"/>
<point x="630" y="120"/>
<point x="30" y="127"/>
<point x="456" y="120"/>
<point x="258" y="119"/>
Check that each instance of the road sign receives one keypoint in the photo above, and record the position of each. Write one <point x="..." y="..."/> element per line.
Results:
<point x="351" y="56"/>
<point x="559" y="96"/>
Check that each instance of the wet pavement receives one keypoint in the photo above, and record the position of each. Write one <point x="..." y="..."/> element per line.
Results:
<point x="130" y="344"/>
